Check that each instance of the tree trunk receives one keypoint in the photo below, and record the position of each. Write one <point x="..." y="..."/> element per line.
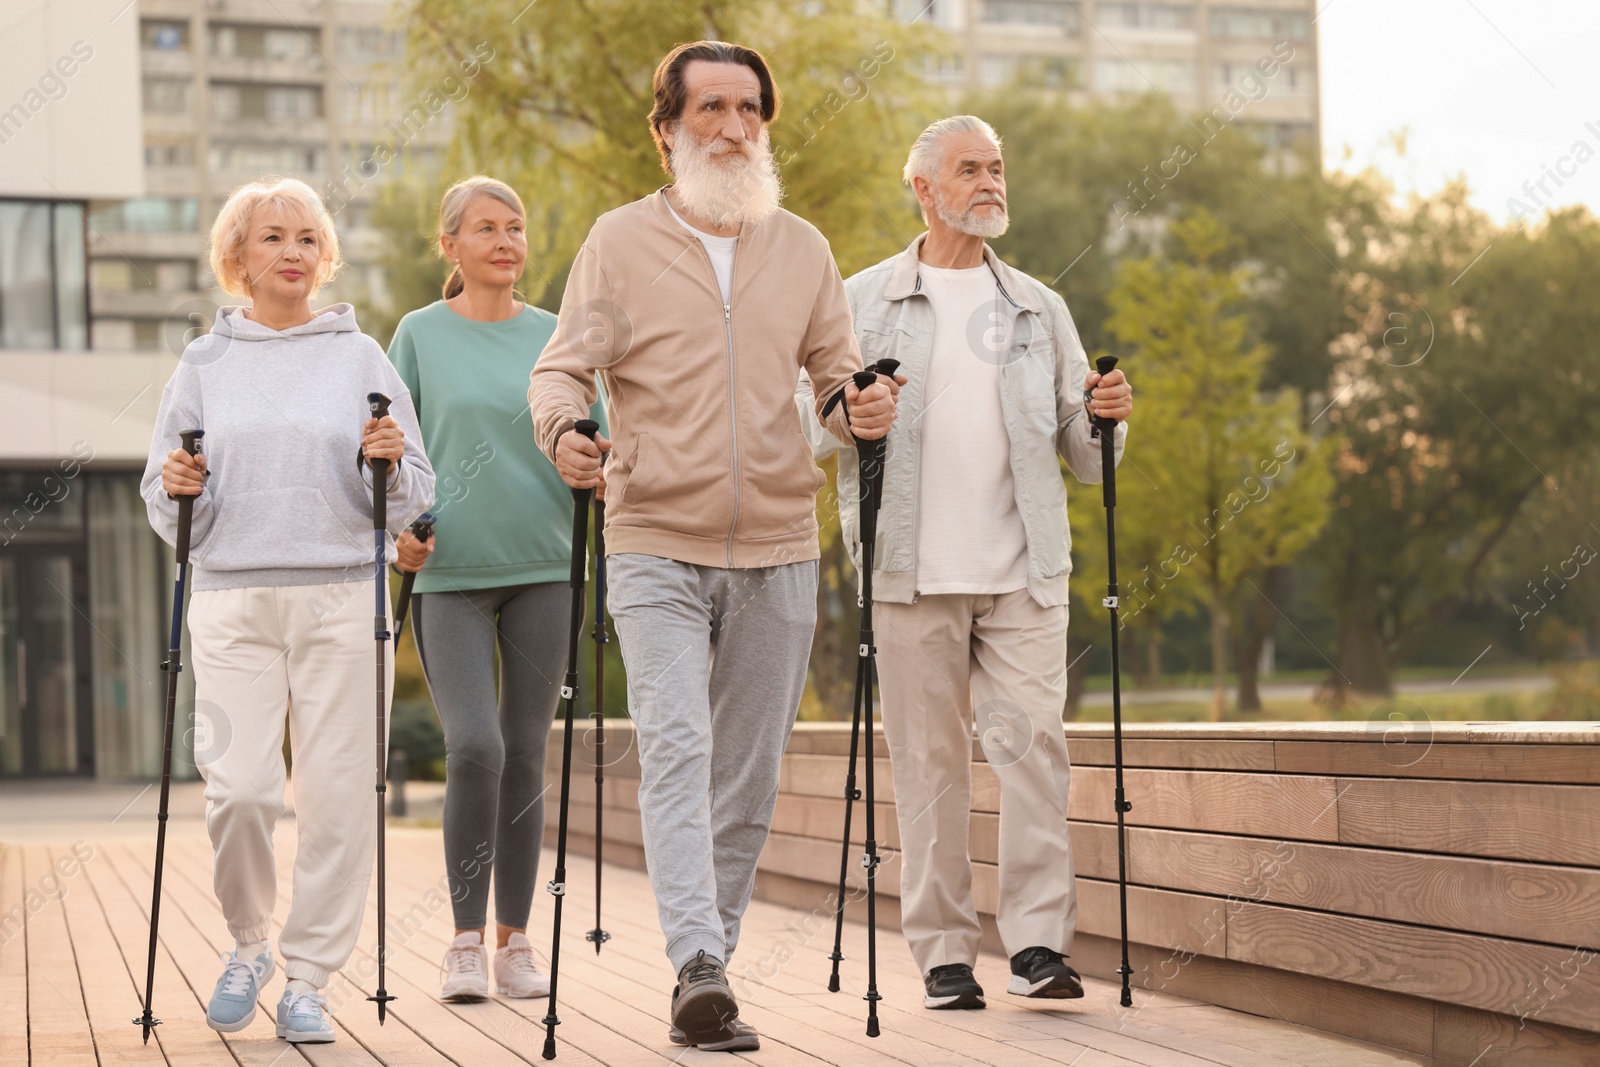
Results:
<point x="1362" y="664"/>
<point x="1256" y="620"/>
<point x="1219" y="655"/>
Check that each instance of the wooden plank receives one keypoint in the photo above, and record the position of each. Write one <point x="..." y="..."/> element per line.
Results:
<point x="58" y="1021"/>
<point x="1556" y="905"/>
<point x="1464" y="1035"/>
<point x="13" y="952"/>
<point x="1531" y="823"/>
<point x="194" y="932"/>
<point x="1480" y="972"/>
<point x="1298" y="807"/>
<point x="1210" y="755"/>
<point x="1400" y="1022"/>
<point x="183" y="1035"/>
<point x="1424" y="757"/>
<point x="823" y="776"/>
<point x="107" y="981"/>
<point x="413" y="1030"/>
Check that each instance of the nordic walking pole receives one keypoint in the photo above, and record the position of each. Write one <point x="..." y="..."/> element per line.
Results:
<point x="172" y="665"/>
<point x="598" y="935"/>
<point x="569" y="692"/>
<point x="870" y="457"/>
<point x="378" y="404"/>
<point x="1106" y="430"/>
<point x="422" y="530"/>
<point x="851" y="793"/>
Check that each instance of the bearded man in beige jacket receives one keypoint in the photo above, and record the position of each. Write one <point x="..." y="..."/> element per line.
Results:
<point x="699" y="305"/>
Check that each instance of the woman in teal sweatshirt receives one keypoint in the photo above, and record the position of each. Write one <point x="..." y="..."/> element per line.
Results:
<point x="493" y="578"/>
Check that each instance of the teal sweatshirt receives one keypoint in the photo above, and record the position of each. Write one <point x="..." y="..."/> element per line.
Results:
<point x="504" y="514"/>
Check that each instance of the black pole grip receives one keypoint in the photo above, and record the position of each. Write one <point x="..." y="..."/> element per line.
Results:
<point x="191" y="445"/>
<point x="1106" y="430"/>
<point x="580" y="515"/>
<point x="378" y="404"/>
<point x="887" y="367"/>
<point x="422" y="529"/>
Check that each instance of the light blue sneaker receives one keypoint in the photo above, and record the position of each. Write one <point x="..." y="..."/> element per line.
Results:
<point x="233" y="1002"/>
<point x="301" y="1018"/>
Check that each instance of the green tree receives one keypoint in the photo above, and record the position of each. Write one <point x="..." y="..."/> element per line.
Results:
<point x="560" y="110"/>
<point x="1464" y="386"/>
<point x="1233" y="481"/>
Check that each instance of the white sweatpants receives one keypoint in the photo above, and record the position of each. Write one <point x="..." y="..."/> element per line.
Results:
<point x="305" y="652"/>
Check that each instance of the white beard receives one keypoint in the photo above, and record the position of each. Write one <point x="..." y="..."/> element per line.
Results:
<point x="970" y="222"/>
<point x="726" y="192"/>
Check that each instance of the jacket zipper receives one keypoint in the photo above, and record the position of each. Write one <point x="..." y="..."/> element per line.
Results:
<point x="733" y="407"/>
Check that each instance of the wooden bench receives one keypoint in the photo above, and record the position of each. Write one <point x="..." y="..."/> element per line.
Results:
<point x="1431" y="887"/>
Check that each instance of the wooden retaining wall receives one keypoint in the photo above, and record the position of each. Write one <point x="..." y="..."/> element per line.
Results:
<point x="1435" y="888"/>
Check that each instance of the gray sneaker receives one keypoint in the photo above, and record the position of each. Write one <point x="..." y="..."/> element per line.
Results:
<point x="744" y="1039"/>
<point x="703" y="1008"/>
<point x="302" y="1018"/>
<point x="233" y="1002"/>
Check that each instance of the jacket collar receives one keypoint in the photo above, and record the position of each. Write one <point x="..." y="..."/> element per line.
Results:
<point x="905" y="277"/>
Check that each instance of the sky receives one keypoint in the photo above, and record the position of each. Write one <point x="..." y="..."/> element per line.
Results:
<point x="1498" y="90"/>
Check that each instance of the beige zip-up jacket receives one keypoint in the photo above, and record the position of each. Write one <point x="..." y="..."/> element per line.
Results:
<point x="709" y="463"/>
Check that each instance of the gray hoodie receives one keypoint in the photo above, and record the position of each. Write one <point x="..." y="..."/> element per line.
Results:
<point x="286" y="502"/>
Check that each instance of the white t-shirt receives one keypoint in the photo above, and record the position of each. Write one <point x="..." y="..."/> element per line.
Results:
<point x="720" y="249"/>
<point x="970" y="537"/>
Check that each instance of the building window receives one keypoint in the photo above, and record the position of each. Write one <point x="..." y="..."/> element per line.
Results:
<point x="253" y="158"/>
<point x="43" y="270"/>
<point x="1144" y="16"/>
<point x="1030" y="13"/>
<point x="174" y="153"/>
<point x="160" y="35"/>
<point x="167" y="96"/>
<point x="263" y="42"/>
<point x="144" y="275"/>
<point x="147" y="214"/>
<point x="370" y="44"/>
<point x="1262" y="25"/>
<point x="251" y="101"/>
<point x="1174" y="76"/>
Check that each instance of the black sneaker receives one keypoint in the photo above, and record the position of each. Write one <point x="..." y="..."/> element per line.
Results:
<point x="952" y="986"/>
<point x="1040" y="972"/>
<point x="703" y="1008"/>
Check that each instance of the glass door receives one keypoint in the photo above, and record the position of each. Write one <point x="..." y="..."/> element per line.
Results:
<point x="45" y="727"/>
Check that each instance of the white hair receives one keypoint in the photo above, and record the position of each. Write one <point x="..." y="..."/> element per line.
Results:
<point x="927" y="151"/>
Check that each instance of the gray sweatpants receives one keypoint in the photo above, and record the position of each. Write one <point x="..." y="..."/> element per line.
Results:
<point x="494" y="745"/>
<point x="716" y="664"/>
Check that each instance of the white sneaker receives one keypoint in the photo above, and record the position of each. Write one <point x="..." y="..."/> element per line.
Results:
<point x="516" y="973"/>
<point x="466" y="969"/>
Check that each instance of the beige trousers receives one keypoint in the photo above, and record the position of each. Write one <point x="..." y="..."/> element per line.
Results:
<point x="1002" y="657"/>
<point x="305" y="653"/>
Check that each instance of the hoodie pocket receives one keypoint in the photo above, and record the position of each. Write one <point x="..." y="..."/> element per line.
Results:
<point x="291" y="528"/>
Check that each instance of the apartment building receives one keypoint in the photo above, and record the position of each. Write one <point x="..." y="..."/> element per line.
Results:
<point x="1197" y="52"/>
<point x="231" y="90"/>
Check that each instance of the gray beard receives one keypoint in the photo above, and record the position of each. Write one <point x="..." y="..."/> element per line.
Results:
<point x="726" y="194"/>
<point x="968" y="221"/>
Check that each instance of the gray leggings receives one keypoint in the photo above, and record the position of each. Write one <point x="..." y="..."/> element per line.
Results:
<point x="494" y="748"/>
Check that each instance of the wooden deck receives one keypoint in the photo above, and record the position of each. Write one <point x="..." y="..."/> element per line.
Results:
<point x="72" y="959"/>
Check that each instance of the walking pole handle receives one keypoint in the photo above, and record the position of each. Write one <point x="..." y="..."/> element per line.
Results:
<point x="191" y="445"/>
<point x="378" y="404"/>
<point x="1105" y="365"/>
<point x="422" y="529"/>
<point x="580" y="520"/>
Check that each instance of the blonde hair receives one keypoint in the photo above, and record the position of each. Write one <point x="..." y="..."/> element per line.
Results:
<point x="453" y="210"/>
<point x="232" y="229"/>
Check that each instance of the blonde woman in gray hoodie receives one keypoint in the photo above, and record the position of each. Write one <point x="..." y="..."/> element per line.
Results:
<point x="282" y="549"/>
